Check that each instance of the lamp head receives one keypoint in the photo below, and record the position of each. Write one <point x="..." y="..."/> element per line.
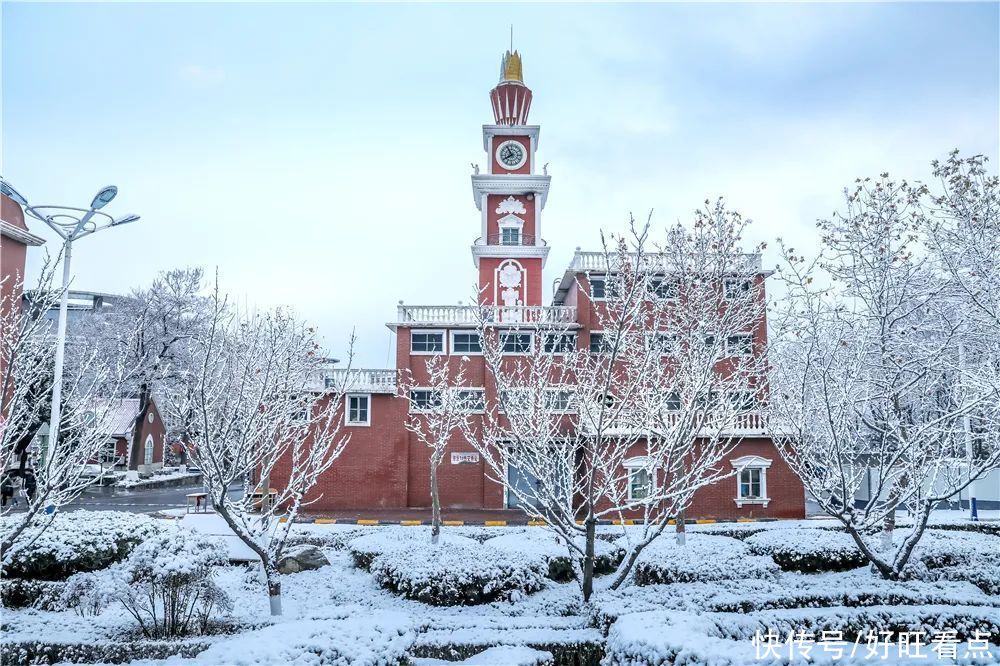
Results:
<point x="104" y="197"/>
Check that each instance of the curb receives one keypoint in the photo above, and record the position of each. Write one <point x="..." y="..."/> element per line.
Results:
<point x="512" y="523"/>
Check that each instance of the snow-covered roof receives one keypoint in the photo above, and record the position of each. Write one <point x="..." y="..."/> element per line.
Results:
<point x="119" y="415"/>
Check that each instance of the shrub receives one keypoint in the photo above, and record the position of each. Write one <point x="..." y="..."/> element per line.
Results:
<point x="701" y="558"/>
<point x="808" y="550"/>
<point x="40" y="594"/>
<point x="381" y="540"/>
<point x="545" y="545"/>
<point x="451" y="574"/>
<point x="167" y="582"/>
<point x="966" y="556"/>
<point x="689" y="639"/>
<point x="75" y="542"/>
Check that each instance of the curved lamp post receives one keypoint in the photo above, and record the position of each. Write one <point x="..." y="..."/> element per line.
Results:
<point x="71" y="224"/>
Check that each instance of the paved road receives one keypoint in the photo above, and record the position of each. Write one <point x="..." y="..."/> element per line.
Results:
<point x="134" y="501"/>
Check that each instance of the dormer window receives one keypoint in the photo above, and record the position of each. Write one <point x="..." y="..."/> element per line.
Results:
<point x="511" y="227"/>
<point x="510" y="236"/>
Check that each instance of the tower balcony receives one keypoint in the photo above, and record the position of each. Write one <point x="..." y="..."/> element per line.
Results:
<point x="524" y="246"/>
<point x="512" y="240"/>
<point x="474" y="315"/>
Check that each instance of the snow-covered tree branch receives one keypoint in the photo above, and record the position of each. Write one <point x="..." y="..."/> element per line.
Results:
<point x="880" y="369"/>
<point x="633" y="426"/>
<point x="50" y="477"/>
<point x="439" y="407"/>
<point x="265" y="425"/>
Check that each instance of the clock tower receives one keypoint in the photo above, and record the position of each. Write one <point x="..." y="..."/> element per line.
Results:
<point x="510" y="196"/>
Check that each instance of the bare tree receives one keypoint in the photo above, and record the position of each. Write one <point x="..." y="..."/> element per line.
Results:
<point x="166" y="316"/>
<point x="635" y="425"/>
<point x="51" y="477"/>
<point x="438" y="409"/>
<point x="871" y="380"/>
<point x="264" y="423"/>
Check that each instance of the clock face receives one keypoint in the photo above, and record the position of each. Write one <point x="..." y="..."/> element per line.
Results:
<point x="511" y="155"/>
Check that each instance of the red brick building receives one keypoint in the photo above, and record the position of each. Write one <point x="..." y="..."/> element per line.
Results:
<point x="14" y="241"/>
<point x="385" y="466"/>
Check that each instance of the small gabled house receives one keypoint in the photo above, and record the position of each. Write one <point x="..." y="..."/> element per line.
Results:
<point x="119" y="425"/>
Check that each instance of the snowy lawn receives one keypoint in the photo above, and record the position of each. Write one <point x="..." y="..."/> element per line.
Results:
<point x="345" y="614"/>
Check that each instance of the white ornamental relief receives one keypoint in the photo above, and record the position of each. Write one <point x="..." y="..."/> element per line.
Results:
<point x="511" y="205"/>
<point x="509" y="277"/>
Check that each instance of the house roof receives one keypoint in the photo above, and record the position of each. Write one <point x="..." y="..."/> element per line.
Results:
<point x="119" y="415"/>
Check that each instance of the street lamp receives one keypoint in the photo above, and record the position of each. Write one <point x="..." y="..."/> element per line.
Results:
<point x="71" y="224"/>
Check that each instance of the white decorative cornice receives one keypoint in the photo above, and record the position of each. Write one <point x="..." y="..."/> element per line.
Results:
<point x="20" y="235"/>
<point x="510" y="252"/>
<point x="509" y="184"/>
<point x="490" y="131"/>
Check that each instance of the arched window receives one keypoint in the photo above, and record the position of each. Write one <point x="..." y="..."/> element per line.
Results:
<point x="149" y="450"/>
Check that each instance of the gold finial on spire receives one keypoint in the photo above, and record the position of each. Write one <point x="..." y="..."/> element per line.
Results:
<point x="510" y="67"/>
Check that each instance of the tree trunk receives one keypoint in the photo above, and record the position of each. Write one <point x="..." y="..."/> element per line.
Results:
<point x="888" y="525"/>
<point x="588" y="559"/>
<point x="273" y="590"/>
<point x="435" y="505"/>
<point x="135" y="450"/>
<point x="681" y="528"/>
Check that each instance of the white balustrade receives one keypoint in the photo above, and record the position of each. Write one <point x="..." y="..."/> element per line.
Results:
<point x="471" y="314"/>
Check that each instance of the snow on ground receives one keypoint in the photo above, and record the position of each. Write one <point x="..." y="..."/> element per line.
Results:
<point x="164" y="474"/>
<point x="340" y="614"/>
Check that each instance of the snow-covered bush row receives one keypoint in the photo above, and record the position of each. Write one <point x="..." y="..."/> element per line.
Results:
<point x="326" y="536"/>
<point x="502" y="655"/>
<point x="381" y="540"/>
<point x="967" y="556"/>
<point x="352" y="637"/>
<point x="23" y="592"/>
<point x="108" y="652"/>
<point x="545" y="545"/>
<point x="726" y="639"/>
<point x="73" y="542"/>
<point x="568" y="639"/>
<point x="851" y="589"/>
<point x="702" y="558"/>
<point x="808" y="550"/>
<point x="454" y="573"/>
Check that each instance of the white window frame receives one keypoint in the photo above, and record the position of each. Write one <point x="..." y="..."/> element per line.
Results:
<point x="451" y="343"/>
<point x="503" y="342"/>
<point x="514" y="231"/>
<point x="652" y="340"/>
<point x="148" y="450"/>
<point x="751" y="462"/>
<point x="726" y="290"/>
<point x="440" y="331"/>
<point x="606" y="278"/>
<point x="477" y="389"/>
<point x="368" y="410"/>
<point x="518" y="389"/>
<point x="570" y="402"/>
<point x="633" y="465"/>
<point x="413" y="409"/>
<point x="590" y="342"/>
<point x="576" y="343"/>
<point x="731" y="354"/>
<point x="656" y="280"/>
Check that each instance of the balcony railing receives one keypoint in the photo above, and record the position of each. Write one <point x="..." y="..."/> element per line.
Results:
<point x="745" y="424"/>
<point x="472" y="315"/>
<point x="361" y="380"/>
<point x="520" y="239"/>
<point x="599" y="261"/>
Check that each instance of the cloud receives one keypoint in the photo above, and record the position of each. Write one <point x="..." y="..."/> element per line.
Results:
<point x="200" y="76"/>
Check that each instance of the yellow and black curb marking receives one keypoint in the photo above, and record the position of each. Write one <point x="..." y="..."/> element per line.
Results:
<point x="501" y="523"/>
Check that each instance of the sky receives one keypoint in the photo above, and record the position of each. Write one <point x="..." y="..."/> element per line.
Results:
<point x="318" y="155"/>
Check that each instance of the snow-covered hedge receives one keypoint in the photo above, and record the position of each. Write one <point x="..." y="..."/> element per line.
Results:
<point x="725" y="639"/>
<point x="74" y="542"/>
<point x="501" y="655"/>
<point x="968" y="556"/>
<point x="702" y="558"/>
<point x="808" y="550"/>
<point x="23" y="592"/>
<point x="539" y="543"/>
<point x="379" y="540"/>
<point x="454" y="573"/>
